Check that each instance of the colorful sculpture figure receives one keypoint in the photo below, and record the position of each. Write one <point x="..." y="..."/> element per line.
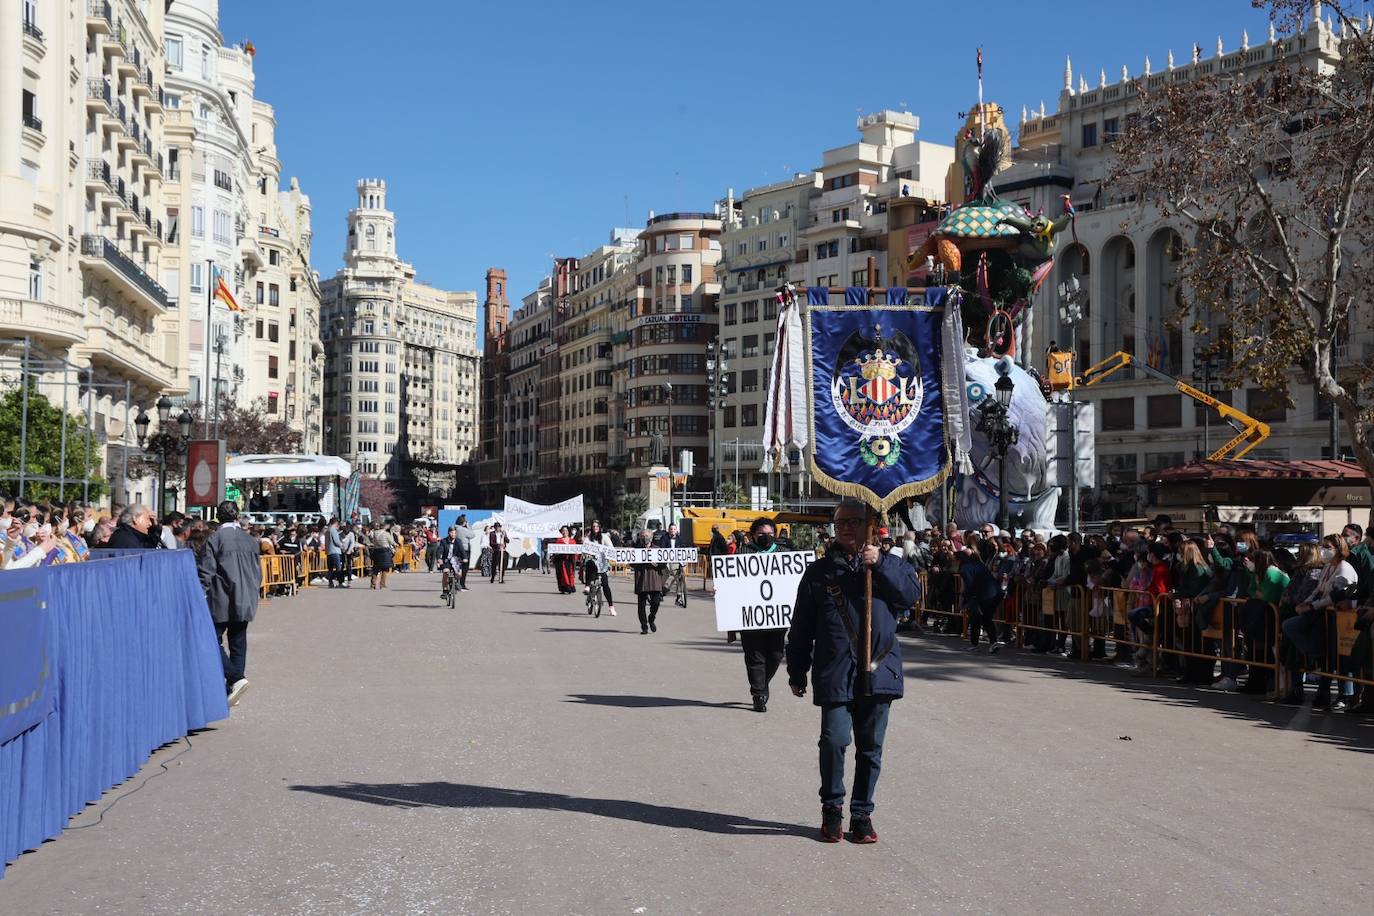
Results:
<point x="997" y="254"/>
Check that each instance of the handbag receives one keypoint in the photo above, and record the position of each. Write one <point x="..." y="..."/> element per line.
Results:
<point x="1183" y="613"/>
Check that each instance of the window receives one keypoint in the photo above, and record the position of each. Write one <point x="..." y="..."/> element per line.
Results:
<point x="749" y="378"/>
<point x="221" y="226"/>
<point x="858" y="278"/>
<point x="729" y="413"/>
<point x="1111" y="129"/>
<point x="1090" y="134"/>
<point x="1118" y="414"/>
<point x="271" y="367"/>
<point x="273" y="294"/>
<point x="198" y="222"/>
<point x="751" y="310"/>
<point x="672" y="275"/>
<point x="272" y="331"/>
<point x="272" y="257"/>
<point x="1164" y="411"/>
<point x="686" y="242"/>
<point x="770" y="308"/>
<point x="196" y="277"/>
<point x="763" y="244"/>
<point x="751" y="345"/>
<point x="833" y="249"/>
<point x="257" y="331"/>
<point x="257" y="298"/>
<point x="223" y="181"/>
<point x="686" y="273"/>
<point x="205" y="62"/>
<point x="730" y="313"/>
<point x="35" y="280"/>
<point x="749" y="415"/>
<point x="769" y="341"/>
<point x="272" y="402"/>
<point x="173" y="47"/>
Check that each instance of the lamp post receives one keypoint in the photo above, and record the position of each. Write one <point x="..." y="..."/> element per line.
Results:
<point x="994" y="423"/>
<point x="164" y="443"/>
<point x="1070" y="313"/>
<point x="668" y="399"/>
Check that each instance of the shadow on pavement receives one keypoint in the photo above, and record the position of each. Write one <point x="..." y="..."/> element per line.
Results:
<point x="459" y="795"/>
<point x="581" y="630"/>
<point x="635" y="702"/>
<point x="568" y="613"/>
<point x="715" y="644"/>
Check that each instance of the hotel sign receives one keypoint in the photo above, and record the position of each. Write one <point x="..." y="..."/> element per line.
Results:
<point x="669" y="318"/>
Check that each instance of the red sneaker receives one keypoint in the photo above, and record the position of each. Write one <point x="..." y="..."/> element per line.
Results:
<point x="861" y="829"/>
<point x="832" y="823"/>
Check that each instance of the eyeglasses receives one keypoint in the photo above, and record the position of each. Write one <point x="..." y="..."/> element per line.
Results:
<point x="848" y="522"/>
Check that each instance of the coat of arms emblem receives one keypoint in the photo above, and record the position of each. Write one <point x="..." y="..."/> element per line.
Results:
<point x="877" y="392"/>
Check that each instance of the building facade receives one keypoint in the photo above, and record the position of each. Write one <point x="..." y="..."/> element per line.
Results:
<point x="91" y="286"/>
<point x="530" y="333"/>
<point x="401" y="362"/>
<point x="243" y="228"/>
<point x="1125" y="258"/>
<point x="671" y="316"/>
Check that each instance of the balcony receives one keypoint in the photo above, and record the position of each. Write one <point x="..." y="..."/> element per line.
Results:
<point x="32" y="31"/>
<point x="99" y="96"/>
<point x="25" y="316"/>
<point x="113" y="344"/>
<point x="98" y="17"/>
<point x="33" y="122"/>
<point x="103" y="256"/>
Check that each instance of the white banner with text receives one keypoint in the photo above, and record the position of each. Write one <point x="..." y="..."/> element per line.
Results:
<point x="756" y="591"/>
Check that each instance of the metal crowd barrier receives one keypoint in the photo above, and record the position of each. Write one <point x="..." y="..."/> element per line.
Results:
<point x="940" y="596"/>
<point x="1111" y="620"/>
<point x="278" y="571"/>
<point x="1341" y="635"/>
<point x="1059" y="611"/>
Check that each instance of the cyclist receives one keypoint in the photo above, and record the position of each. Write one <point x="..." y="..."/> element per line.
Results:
<point x="450" y="557"/>
<point x="597" y="567"/>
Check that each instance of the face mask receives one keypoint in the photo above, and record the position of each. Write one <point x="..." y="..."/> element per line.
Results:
<point x="30" y="530"/>
<point x="89" y="525"/>
<point x="1242" y="548"/>
<point x="1352" y="540"/>
<point x="1328" y="554"/>
<point x="6" y="522"/>
<point x="764" y="541"/>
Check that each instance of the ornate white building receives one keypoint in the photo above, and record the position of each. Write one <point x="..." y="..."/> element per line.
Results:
<point x="402" y="365"/>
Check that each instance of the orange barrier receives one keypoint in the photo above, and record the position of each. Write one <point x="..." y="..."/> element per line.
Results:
<point x="314" y="564"/>
<point x="278" y="571"/>
<point x="1216" y="638"/>
<point x="1060" y="611"/>
<point x="941" y="596"/>
<point x="1340" y="630"/>
<point x="1110" y="610"/>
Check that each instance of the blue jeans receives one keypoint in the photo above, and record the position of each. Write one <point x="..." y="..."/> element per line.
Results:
<point x="867" y="721"/>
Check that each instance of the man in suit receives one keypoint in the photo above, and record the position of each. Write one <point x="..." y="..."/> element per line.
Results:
<point x="231" y="574"/>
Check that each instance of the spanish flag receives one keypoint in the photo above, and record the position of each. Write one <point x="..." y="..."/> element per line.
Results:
<point x="222" y="292"/>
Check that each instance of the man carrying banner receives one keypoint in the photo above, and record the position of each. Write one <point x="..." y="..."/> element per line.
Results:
<point x="826" y="627"/>
<point x="763" y="649"/>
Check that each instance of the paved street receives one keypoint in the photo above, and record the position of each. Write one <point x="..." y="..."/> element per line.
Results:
<point x="515" y="756"/>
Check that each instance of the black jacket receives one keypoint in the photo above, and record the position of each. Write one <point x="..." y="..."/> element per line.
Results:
<point x="827" y="621"/>
<point x="126" y="537"/>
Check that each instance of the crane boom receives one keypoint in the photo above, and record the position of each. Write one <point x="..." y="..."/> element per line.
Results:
<point x="1249" y="431"/>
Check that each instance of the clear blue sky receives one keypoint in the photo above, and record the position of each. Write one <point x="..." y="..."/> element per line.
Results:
<point x="513" y="130"/>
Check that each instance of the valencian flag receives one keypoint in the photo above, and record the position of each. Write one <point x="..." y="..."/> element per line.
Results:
<point x="221" y="290"/>
<point x="876" y="394"/>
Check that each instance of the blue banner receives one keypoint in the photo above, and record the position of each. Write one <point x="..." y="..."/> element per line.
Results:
<point x="877" y="413"/>
<point x="26" y="682"/>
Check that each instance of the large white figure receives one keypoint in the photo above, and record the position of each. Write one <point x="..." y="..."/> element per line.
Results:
<point x="1032" y="495"/>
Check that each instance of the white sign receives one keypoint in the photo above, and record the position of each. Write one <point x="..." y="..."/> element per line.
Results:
<point x="654" y="555"/>
<point x="756" y="591"/>
<point x="533" y="520"/>
<point x="669" y="318"/>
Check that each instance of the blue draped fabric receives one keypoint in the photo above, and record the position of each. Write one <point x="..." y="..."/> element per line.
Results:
<point x="134" y="666"/>
<point x="817" y="295"/>
<point x="26" y="691"/>
<point x="877" y="410"/>
<point x="896" y="295"/>
<point x="855" y="295"/>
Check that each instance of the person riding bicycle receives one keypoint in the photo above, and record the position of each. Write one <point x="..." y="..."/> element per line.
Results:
<point x="597" y="567"/>
<point x="451" y="554"/>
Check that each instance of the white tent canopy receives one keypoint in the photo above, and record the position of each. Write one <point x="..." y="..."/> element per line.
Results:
<point x="252" y="467"/>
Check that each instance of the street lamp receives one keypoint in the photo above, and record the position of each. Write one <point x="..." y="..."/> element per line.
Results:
<point x="164" y="443"/>
<point x="668" y="397"/>
<point x="994" y="423"/>
<point x="1071" y="312"/>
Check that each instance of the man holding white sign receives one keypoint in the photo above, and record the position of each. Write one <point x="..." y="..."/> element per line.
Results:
<point x="754" y="597"/>
<point x="827" y="623"/>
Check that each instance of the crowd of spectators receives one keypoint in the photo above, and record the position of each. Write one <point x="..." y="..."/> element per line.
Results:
<point x="1156" y="598"/>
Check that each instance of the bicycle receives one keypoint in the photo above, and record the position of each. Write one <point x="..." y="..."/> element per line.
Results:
<point x="677" y="584"/>
<point x="591" y="579"/>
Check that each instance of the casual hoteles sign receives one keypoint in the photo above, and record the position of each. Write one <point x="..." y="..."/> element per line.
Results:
<point x="756" y="591"/>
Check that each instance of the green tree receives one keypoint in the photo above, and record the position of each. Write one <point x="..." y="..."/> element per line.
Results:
<point x="43" y="448"/>
<point x="731" y="494"/>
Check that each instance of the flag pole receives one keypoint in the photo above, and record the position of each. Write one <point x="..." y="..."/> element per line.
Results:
<point x="982" y="121"/>
<point x="205" y="344"/>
